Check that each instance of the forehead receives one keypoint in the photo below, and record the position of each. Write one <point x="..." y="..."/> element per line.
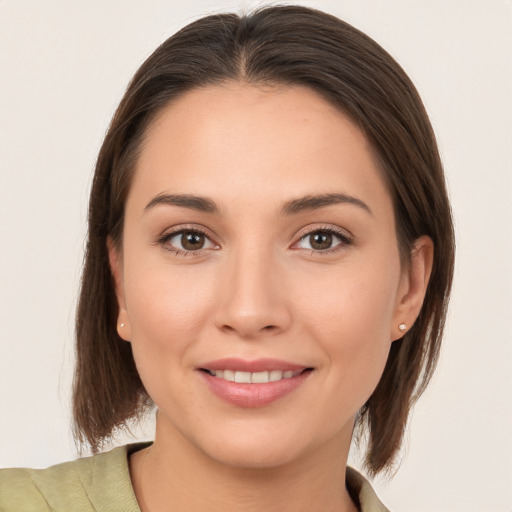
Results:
<point x="265" y="144"/>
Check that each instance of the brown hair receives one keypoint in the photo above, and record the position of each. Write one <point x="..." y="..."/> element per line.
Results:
<point x="274" y="46"/>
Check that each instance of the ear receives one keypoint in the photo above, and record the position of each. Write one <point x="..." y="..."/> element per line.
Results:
<point x="413" y="287"/>
<point x="116" y="267"/>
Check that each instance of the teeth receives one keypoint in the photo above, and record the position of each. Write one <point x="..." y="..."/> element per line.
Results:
<point x="243" y="377"/>
<point x="275" y="375"/>
<point x="259" y="377"/>
<point x="228" y="375"/>
<point x="253" y="378"/>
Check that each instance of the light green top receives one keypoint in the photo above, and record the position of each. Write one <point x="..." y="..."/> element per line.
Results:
<point x="101" y="483"/>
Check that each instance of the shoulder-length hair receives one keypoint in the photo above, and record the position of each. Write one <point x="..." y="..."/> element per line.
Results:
<point x="286" y="45"/>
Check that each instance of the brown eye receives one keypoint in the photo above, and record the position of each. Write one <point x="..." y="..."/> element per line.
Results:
<point x="192" y="241"/>
<point x="320" y="240"/>
<point x="187" y="241"/>
<point x="323" y="240"/>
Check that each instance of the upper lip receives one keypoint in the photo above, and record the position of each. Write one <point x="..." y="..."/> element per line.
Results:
<point x="256" y="365"/>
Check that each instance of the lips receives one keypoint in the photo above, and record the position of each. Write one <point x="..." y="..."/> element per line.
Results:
<point x="253" y="377"/>
<point x="253" y="383"/>
<point x="258" y="365"/>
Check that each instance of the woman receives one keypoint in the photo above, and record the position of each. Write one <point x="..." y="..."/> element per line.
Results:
<point x="269" y="259"/>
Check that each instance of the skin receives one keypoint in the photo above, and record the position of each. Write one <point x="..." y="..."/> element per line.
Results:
<point x="259" y="287"/>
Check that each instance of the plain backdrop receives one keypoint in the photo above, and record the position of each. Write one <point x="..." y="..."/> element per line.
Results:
<point x="63" y="68"/>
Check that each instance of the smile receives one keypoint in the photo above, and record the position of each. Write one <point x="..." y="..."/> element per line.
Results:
<point x="253" y="377"/>
<point x="251" y="384"/>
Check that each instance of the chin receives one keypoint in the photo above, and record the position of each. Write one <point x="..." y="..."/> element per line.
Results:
<point x="266" y="446"/>
<point x="253" y="457"/>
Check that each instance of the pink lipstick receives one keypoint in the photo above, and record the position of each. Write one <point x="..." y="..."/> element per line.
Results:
<point x="253" y="383"/>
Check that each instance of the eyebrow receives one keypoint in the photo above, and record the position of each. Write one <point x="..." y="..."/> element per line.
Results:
<point x="202" y="204"/>
<point x="292" y="207"/>
<point x="315" y="202"/>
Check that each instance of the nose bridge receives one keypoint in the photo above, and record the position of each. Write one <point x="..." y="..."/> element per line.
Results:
<point x="252" y="301"/>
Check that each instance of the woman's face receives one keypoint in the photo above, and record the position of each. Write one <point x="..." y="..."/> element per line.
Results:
<point x="259" y="237"/>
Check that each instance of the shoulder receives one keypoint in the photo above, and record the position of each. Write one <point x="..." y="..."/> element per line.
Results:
<point x="362" y="491"/>
<point x="86" y="484"/>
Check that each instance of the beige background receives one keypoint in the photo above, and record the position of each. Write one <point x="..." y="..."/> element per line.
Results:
<point x="64" y="66"/>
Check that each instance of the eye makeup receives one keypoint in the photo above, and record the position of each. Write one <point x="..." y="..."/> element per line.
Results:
<point x="193" y="241"/>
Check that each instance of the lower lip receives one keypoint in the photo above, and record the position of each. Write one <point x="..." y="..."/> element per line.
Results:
<point x="253" y="395"/>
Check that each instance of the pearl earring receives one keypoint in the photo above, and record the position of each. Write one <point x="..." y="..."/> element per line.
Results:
<point x="122" y="325"/>
<point x="402" y="327"/>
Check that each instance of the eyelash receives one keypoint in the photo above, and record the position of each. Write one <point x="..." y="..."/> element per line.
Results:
<point x="163" y="241"/>
<point x="344" y="238"/>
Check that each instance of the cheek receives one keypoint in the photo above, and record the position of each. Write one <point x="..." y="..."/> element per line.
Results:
<point x="349" y="316"/>
<point x="166" y="311"/>
<point x="353" y="300"/>
<point x="166" y="308"/>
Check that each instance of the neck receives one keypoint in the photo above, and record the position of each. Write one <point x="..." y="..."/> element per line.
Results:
<point x="172" y="475"/>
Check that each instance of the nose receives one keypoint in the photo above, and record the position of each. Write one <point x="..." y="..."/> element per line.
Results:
<point x="253" y="300"/>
